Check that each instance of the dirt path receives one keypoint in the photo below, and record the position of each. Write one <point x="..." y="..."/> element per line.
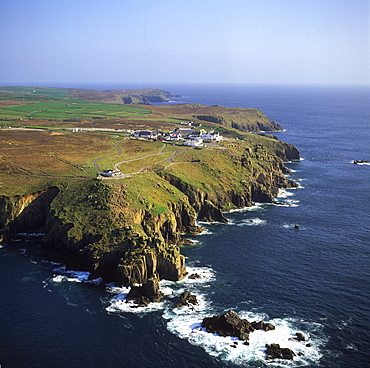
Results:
<point x="144" y="169"/>
<point x="119" y="151"/>
<point x="168" y="160"/>
<point x="140" y="158"/>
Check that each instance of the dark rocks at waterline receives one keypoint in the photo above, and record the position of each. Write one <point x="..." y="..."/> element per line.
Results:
<point x="146" y="293"/>
<point x="230" y="324"/>
<point x="274" y="351"/>
<point x="185" y="242"/>
<point x="187" y="299"/>
<point x="300" y="336"/>
<point x="296" y="226"/>
<point x="361" y="162"/>
<point x="195" y="276"/>
<point x="263" y="326"/>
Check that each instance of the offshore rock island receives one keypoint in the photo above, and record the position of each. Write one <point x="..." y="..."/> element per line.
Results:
<point x="127" y="229"/>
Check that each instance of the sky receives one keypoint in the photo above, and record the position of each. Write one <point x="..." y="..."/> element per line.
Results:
<point x="194" y="41"/>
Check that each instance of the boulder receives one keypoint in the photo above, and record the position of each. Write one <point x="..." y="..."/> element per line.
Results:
<point x="194" y="276"/>
<point x="263" y="326"/>
<point x="229" y="324"/>
<point x="149" y="290"/>
<point x="274" y="351"/>
<point x="187" y="299"/>
<point x="298" y="337"/>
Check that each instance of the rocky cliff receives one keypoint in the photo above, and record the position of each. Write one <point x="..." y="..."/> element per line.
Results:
<point x="143" y="96"/>
<point x="128" y="230"/>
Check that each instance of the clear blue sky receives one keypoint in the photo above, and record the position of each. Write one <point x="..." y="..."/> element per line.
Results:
<point x="172" y="41"/>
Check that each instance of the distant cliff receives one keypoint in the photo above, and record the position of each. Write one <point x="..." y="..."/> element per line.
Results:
<point x="243" y="119"/>
<point x="127" y="96"/>
<point x="127" y="230"/>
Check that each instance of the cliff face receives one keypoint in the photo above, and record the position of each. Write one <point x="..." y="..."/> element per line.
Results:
<point x="127" y="96"/>
<point x="255" y="123"/>
<point x="232" y="177"/>
<point x="25" y="213"/>
<point x="127" y="230"/>
<point x="243" y="119"/>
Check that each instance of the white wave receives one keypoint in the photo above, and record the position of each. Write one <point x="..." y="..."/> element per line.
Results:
<point x="188" y="326"/>
<point x="206" y="275"/>
<point x="74" y="276"/>
<point x="230" y="221"/>
<point x="194" y="241"/>
<point x="292" y="226"/>
<point x="255" y="207"/>
<point x="287" y="203"/>
<point x="283" y="193"/>
<point x="170" y="289"/>
<point x="119" y="304"/>
<point x="252" y="222"/>
<point x="205" y="231"/>
<point x="58" y="278"/>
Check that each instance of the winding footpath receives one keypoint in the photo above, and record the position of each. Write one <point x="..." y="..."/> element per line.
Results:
<point x="141" y="171"/>
<point x="39" y="173"/>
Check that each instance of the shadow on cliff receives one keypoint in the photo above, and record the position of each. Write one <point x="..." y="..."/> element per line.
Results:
<point x="30" y="213"/>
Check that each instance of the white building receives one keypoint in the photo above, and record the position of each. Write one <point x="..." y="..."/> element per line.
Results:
<point x="110" y="173"/>
<point x="212" y="136"/>
<point x="193" y="141"/>
<point x="145" y="134"/>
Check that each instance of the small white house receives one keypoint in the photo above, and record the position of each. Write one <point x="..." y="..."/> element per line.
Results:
<point x="212" y="136"/>
<point x="173" y="137"/>
<point x="145" y="134"/>
<point x="110" y="173"/>
<point x="193" y="141"/>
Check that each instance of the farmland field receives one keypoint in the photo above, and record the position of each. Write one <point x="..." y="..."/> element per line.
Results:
<point x="70" y="109"/>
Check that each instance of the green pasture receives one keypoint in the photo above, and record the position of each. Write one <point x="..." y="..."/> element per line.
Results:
<point x="70" y="109"/>
<point x="34" y="92"/>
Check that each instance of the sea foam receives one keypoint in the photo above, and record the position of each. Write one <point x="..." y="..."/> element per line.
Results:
<point x="73" y="276"/>
<point x="188" y="326"/>
<point x="252" y="222"/>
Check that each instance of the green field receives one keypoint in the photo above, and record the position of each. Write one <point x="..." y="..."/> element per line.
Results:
<point x="33" y="92"/>
<point x="70" y="109"/>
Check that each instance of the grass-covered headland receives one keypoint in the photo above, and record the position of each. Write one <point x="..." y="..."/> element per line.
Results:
<point x="126" y="229"/>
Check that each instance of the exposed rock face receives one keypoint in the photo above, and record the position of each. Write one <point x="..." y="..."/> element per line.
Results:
<point x="230" y="324"/>
<point x="247" y="120"/>
<point x="148" y="292"/>
<point x="26" y="213"/>
<point x="187" y="299"/>
<point x="169" y="267"/>
<point x="263" y="326"/>
<point x="127" y="96"/>
<point x="93" y="226"/>
<point x="274" y="351"/>
<point x="261" y="183"/>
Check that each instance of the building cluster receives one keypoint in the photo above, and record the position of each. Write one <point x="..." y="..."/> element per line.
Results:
<point x="189" y="135"/>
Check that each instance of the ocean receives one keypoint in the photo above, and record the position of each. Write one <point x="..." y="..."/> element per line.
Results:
<point x="314" y="280"/>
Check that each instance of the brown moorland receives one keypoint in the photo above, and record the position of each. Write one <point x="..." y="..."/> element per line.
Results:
<point x="28" y="157"/>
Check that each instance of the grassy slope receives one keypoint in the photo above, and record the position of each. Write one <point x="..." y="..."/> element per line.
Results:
<point x="30" y="161"/>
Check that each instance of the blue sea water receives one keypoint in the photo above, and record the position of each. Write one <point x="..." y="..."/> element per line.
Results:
<point x="315" y="280"/>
